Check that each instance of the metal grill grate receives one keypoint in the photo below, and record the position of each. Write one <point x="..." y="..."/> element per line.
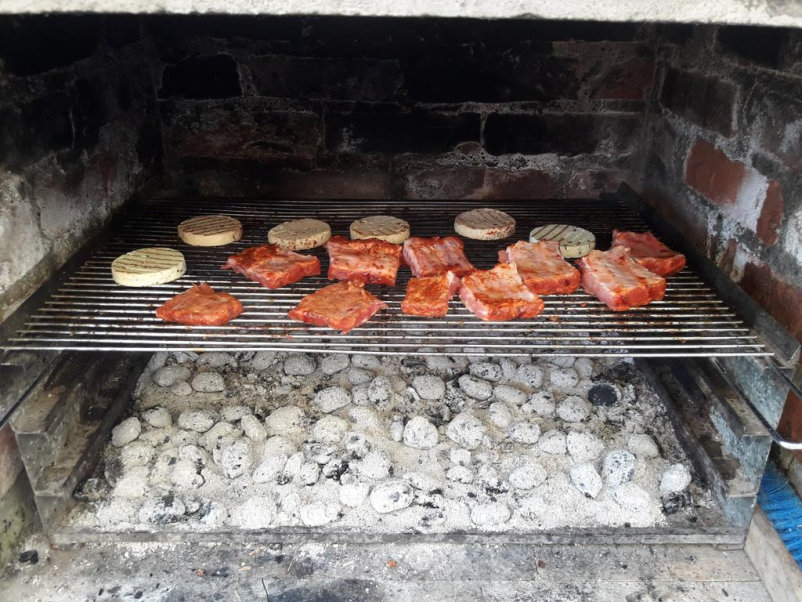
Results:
<point x="91" y="312"/>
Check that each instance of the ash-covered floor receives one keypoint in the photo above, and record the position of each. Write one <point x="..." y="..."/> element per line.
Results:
<point x="396" y="572"/>
<point x="221" y="442"/>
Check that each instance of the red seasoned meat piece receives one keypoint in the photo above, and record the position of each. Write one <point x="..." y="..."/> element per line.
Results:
<point x="200" y="306"/>
<point x="650" y="252"/>
<point x="542" y="267"/>
<point x="342" y="306"/>
<point x="272" y="266"/>
<point x="499" y="294"/>
<point x="435" y="255"/>
<point x="618" y="280"/>
<point x="367" y="260"/>
<point x="429" y="296"/>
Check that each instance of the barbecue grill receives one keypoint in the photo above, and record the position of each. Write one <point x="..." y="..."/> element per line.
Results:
<point x="91" y="313"/>
<point x="245" y="129"/>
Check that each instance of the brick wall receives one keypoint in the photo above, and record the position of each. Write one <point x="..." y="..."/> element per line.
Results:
<point x="395" y="108"/>
<point x="79" y="134"/>
<point x="725" y="164"/>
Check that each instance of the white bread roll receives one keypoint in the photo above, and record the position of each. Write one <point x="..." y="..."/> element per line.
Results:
<point x="210" y="230"/>
<point x="299" y="234"/>
<point x="383" y="227"/>
<point x="484" y="224"/>
<point x="147" y="267"/>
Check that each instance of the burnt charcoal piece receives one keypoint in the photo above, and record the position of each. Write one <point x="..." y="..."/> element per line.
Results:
<point x="202" y="77"/>
<point x="674" y="502"/>
<point x="603" y="395"/>
<point x="95" y="412"/>
<point x="29" y="557"/>
<point x="91" y="490"/>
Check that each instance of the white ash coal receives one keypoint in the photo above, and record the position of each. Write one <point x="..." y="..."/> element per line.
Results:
<point x="435" y="444"/>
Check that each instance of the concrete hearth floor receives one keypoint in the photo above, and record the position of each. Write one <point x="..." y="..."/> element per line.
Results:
<point x="385" y="573"/>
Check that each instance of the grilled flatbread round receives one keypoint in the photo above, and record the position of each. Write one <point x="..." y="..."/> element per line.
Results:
<point x="299" y="234"/>
<point x="383" y="227"/>
<point x="484" y="224"/>
<point x="210" y="230"/>
<point x="147" y="267"/>
<point x="574" y="242"/>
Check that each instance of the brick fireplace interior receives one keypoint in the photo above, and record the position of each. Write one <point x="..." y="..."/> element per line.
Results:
<point x="704" y="122"/>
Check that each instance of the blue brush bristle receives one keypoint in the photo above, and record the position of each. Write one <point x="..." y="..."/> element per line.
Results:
<point x="784" y="508"/>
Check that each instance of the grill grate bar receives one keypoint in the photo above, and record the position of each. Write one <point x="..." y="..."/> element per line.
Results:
<point x="90" y="312"/>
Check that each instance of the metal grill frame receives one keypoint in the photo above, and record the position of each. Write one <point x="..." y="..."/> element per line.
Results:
<point x="89" y="312"/>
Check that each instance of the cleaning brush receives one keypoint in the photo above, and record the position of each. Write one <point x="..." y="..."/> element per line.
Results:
<point x="783" y="507"/>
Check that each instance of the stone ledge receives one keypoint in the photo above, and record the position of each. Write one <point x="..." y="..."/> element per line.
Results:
<point x="760" y="12"/>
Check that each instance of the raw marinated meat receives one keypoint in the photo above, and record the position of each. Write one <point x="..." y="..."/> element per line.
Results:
<point x="367" y="260"/>
<point x="542" y="267"/>
<point x="499" y="294"/>
<point x="429" y="296"/>
<point x="200" y="306"/>
<point x="650" y="252"/>
<point x="272" y="266"/>
<point x="435" y="255"/>
<point x="342" y="306"/>
<point x="618" y="280"/>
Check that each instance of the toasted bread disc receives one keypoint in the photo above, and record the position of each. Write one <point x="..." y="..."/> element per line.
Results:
<point x="484" y="224"/>
<point x="299" y="234"/>
<point x="383" y="227"/>
<point x="146" y="267"/>
<point x="574" y="242"/>
<point x="210" y="230"/>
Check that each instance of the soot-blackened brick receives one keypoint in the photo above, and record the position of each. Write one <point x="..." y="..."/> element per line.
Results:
<point x="563" y="134"/>
<point x="327" y="78"/>
<point x="247" y="134"/>
<point x="475" y="73"/>
<point x="121" y="30"/>
<point x="761" y="45"/>
<point x="779" y="117"/>
<point x="416" y="132"/>
<point x="37" y="129"/>
<point x="706" y="101"/>
<point x="630" y="80"/>
<point x="782" y="299"/>
<point x="202" y="77"/>
<point x="95" y="106"/>
<point x="36" y="44"/>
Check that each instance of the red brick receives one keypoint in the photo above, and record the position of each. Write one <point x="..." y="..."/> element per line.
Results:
<point x="10" y="461"/>
<point x="783" y="300"/>
<point x="631" y="80"/>
<point x="771" y="215"/>
<point x="710" y="172"/>
<point x="790" y="425"/>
